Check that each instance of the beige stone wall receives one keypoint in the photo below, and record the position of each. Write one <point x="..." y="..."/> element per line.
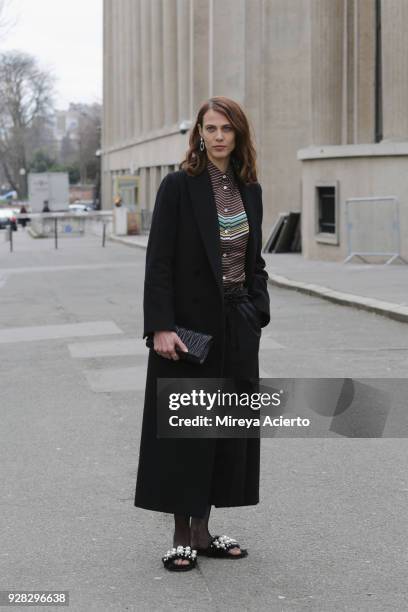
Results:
<point x="360" y="171"/>
<point x="304" y="70"/>
<point x="343" y="112"/>
<point x="163" y="59"/>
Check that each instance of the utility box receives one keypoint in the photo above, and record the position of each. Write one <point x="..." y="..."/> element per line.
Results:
<point x="51" y="187"/>
<point x="120" y="217"/>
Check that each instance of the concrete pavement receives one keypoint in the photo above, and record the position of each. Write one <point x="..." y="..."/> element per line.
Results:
<point x="329" y="534"/>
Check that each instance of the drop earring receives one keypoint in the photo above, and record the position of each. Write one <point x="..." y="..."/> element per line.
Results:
<point x="202" y="146"/>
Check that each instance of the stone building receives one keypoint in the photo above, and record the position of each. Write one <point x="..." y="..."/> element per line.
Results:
<point x="323" y="83"/>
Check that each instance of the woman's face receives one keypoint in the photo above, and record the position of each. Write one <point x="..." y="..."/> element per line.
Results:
<point x="218" y="134"/>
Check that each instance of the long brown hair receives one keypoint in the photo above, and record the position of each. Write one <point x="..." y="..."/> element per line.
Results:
<point x="243" y="157"/>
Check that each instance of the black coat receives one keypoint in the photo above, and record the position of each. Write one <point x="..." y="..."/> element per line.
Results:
<point x="183" y="286"/>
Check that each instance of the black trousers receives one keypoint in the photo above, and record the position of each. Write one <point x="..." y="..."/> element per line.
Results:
<point x="236" y="464"/>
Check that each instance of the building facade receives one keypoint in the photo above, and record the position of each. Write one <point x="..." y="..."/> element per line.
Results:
<point x="324" y="86"/>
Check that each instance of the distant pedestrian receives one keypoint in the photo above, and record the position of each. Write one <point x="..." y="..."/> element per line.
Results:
<point x="23" y="222"/>
<point x="46" y="208"/>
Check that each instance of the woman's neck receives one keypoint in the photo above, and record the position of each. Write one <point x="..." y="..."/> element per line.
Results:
<point x="221" y="164"/>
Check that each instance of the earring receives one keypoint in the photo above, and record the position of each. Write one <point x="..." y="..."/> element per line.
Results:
<point x="202" y="146"/>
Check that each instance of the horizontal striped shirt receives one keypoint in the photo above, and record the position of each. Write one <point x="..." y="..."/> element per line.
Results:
<point x="233" y="223"/>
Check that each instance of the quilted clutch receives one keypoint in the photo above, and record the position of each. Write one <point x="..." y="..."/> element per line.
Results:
<point x="198" y="344"/>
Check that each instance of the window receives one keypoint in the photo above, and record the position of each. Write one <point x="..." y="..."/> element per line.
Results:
<point x="326" y="213"/>
<point x="327" y="207"/>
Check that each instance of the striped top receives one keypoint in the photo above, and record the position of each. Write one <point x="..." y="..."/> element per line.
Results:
<point x="233" y="222"/>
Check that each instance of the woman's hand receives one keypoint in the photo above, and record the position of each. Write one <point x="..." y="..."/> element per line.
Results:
<point x="165" y="343"/>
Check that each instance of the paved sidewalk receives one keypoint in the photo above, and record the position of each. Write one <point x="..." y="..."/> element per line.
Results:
<point x="329" y="533"/>
<point x="377" y="288"/>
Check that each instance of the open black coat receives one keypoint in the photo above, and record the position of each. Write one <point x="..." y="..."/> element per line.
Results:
<point x="183" y="286"/>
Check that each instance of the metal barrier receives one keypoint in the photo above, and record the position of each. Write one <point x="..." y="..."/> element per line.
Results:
<point x="64" y="224"/>
<point x="146" y="219"/>
<point x="373" y="228"/>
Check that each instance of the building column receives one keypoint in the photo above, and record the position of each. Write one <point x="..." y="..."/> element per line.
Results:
<point x="135" y="68"/>
<point x="144" y="188"/>
<point x="107" y="75"/>
<point x="119" y="38"/>
<point x="124" y="36"/>
<point x="157" y="101"/>
<point x="128" y="69"/>
<point x="359" y="68"/>
<point x="170" y="61"/>
<point x="163" y="171"/>
<point x="394" y="22"/>
<point x="254" y="56"/>
<point x="200" y="32"/>
<point x="154" y="179"/>
<point x="115" y="74"/>
<point x="146" y="66"/>
<point x="227" y="67"/>
<point x="327" y="25"/>
<point x="183" y="59"/>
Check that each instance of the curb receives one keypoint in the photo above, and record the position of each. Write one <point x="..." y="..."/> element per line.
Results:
<point x="127" y="242"/>
<point x="385" y="309"/>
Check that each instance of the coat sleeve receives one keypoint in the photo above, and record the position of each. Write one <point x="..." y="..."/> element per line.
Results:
<point x="158" y="298"/>
<point x="259" y="289"/>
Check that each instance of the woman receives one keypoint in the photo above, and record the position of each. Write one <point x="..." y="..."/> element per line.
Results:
<point x="204" y="272"/>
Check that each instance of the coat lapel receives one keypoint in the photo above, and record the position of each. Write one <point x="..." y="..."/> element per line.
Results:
<point x="247" y="196"/>
<point x="205" y="210"/>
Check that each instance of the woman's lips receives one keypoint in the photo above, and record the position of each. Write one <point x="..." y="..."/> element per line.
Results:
<point x="219" y="147"/>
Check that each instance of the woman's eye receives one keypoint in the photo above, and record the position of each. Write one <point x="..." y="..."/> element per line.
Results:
<point x="226" y="128"/>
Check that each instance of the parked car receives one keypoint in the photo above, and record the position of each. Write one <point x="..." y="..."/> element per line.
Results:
<point x="8" y="195"/>
<point x="7" y="218"/>
<point x="81" y="208"/>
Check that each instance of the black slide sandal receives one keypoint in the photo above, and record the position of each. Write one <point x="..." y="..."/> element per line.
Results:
<point x="219" y="547"/>
<point x="181" y="552"/>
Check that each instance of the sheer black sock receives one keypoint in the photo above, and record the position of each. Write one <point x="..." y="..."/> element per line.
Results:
<point x="181" y="535"/>
<point x="200" y="536"/>
<point x="181" y="530"/>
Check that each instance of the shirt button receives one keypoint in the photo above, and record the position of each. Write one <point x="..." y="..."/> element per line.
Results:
<point x="225" y="231"/>
<point x="224" y="277"/>
<point x="224" y="254"/>
<point x="225" y="209"/>
<point x="225" y="187"/>
<point x="224" y="176"/>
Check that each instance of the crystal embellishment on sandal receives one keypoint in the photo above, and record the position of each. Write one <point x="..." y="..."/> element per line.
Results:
<point x="225" y="542"/>
<point x="179" y="552"/>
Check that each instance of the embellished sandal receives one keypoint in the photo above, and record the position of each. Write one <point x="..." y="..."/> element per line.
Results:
<point x="181" y="552"/>
<point x="219" y="547"/>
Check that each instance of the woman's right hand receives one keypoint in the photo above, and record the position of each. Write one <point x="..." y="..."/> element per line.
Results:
<point x="165" y="343"/>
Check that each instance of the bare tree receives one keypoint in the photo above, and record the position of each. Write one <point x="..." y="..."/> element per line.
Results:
<point x="7" y="23"/>
<point x="90" y="139"/>
<point x="25" y="99"/>
<point x="89" y="133"/>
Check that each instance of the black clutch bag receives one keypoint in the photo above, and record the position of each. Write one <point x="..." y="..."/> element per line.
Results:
<point x="198" y="344"/>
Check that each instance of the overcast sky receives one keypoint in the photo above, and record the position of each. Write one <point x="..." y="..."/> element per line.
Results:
<point x="66" y="37"/>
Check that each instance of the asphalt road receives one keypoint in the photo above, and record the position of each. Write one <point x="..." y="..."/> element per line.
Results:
<point x="330" y="533"/>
